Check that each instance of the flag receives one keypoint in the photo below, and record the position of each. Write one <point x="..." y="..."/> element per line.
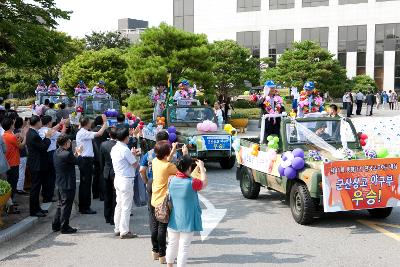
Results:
<point x="170" y="89"/>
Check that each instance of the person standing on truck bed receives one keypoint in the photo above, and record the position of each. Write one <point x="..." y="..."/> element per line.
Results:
<point x="271" y="103"/>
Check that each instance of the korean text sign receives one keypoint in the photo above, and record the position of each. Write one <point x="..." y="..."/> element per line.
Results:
<point x="361" y="184"/>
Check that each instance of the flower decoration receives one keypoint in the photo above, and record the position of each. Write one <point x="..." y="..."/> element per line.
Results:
<point x="53" y="89"/>
<point x="276" y="107"/>
<point x="314" y="155"/>
<point x="81" y="89"/>
<point x="311" y="102"/>
<point x="370" y="154"/>
<point x="99" y="90"/>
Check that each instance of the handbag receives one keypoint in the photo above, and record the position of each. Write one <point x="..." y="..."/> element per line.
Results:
<point x="163" y="210"/>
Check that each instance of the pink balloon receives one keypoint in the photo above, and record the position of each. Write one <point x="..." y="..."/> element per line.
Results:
<point x="199" y="126"/>
<point x="214" y="127"/>
<point x="272" y="154"/>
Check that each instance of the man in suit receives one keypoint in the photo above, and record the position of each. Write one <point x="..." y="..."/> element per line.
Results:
<point x="37" y="163"/>
<point x="97" y="183"/>
<point x="64" y="164"/>
<point x="108" y="176"/>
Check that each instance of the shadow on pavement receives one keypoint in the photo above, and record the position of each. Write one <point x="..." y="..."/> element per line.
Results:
<point x="256" y="257"/>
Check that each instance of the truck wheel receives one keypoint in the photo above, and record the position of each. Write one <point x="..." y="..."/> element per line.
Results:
<point x="250" y="188"/>
<point x="380" y="213"/>
<point x="227" y="163"/>
<point x="301" y="204"/>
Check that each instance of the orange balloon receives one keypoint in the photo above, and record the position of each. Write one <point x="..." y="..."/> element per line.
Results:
<point x="159" y="122"/>
<point x="162" y="118"/>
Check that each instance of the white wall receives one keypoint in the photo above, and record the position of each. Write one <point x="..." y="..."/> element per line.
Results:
<point x="220" y="20"/>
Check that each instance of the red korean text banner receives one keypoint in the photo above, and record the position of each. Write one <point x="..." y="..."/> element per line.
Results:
<point x="361" y="184"/>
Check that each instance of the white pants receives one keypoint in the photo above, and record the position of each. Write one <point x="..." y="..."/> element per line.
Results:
<point x="124" y="191"/>
<point x="21" y="179"/>
<point x="369" y="107"/>
<point x="178" y="247"/>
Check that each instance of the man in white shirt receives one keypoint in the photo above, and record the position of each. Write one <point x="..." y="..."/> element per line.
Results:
<point x="49" y="181"/>
<point x="84" y="138"/>
<point x="124" y="162"/>
<point x="359" y="101"/>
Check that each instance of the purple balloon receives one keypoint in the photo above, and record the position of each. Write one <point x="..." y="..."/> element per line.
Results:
<point x="290" y="173"/>
<point x="281" y="170"/>
<point x="172" y="129"/>
<point x="172" y="137"/>
<point x="298" y="152"/>
<point x="298" y="163"/>
<point x="284" y="158"/>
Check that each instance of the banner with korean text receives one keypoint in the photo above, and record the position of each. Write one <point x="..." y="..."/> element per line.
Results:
<point x="361" y="184"/>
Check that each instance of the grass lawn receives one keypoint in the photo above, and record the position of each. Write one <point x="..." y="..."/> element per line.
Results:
<point x="253" y="113"/>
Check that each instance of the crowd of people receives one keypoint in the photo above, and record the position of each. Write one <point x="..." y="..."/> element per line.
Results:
<point x="383" y="100"/>
<point x="110" y="160"/>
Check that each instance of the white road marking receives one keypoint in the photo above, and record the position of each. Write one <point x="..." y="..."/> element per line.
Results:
<point x="210" y="217"/>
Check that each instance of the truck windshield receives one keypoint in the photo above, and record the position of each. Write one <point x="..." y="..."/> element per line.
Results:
<point x="191" y="114"/>
<point x="327" y="130"/>
<point x="98" y="106"/>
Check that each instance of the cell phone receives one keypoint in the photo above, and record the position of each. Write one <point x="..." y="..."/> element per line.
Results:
<point x="180" y="145"/>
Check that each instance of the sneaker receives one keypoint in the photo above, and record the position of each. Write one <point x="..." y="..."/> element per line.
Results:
<point x="155" y="255"/>
<point x="162" y="260"/>
<point x="117" y="233"/>
<point x="128" y="235"/>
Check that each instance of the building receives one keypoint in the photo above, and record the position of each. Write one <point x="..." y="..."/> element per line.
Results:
<point x="363" y="34"/>
<point x="132" y="28"/>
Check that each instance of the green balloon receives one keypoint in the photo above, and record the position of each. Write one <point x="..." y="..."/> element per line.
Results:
<point x="382" y="153"/>
<point x="276" y="139"/>
<point x="270" y="138"/>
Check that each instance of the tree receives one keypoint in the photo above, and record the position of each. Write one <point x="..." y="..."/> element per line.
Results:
<point x="99" y="40"/>
<point x="306" y="61"/>
<point x="92" y="66"/>
<point x="48" y="53"/>
<point x="16" y="17"/>
<point x="165" y="50"/>
<point x="363" y="83"/>
<point x="232" y="65"/>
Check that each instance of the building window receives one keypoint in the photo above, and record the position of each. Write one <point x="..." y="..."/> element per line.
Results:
<point x="248" y="5"/>
<point x="318" y="35"/>
<point x="281" y="4"/>
<point x="183" y="15"/>
<point x="353" y="39"/>
<point x="279" y="41"/>
<point x="315" y="3"/>
<point x="347" y="2"/>
<point x="250" y="40"/>
<point x="387" y="38"/>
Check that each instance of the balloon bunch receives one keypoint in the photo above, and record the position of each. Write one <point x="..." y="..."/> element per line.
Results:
<point x="207" y="126"/>
<point x="161" y="121"/>
<point x="292" y="162"/>
<point x="229" y="129"/>
<point x="79" y="109"/>
<point x="111" y="113"/>
<point x="363" y="137"/>
<point x="273" y="142"/>
<point x="172" y="134"/>
<point x="255" y="148"/>
<point x="236" y="143"/>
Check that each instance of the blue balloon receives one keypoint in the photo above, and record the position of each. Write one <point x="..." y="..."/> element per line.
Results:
<point x="172" y="137"/>
<point x="290" y="173"/>
<point x="298" y="152"/>
<point x="298" y="163"/>
<point x="171" y="129"/>
<point x="281" y="170"/>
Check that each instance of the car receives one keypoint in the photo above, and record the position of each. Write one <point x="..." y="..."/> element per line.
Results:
<point x="207" y="146"/>
<point x="305" y="193"/>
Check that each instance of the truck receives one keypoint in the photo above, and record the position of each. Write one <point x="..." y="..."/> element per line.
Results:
<point x="305" y="193"/>
<point x="207" y="146"/>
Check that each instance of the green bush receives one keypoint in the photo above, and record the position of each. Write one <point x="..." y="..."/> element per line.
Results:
<point x="138" y="102"/>
<point x="239" y="116"/>
<point x="242" y="103"/>
<point x="5" y="187"/>
<point x="211" y="98"/>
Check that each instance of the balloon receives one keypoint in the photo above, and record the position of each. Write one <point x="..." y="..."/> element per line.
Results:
<point x="227" y="127"/>
<point x="172" y="137"/>
<point x="290" y="173"/>
<point x="382" y="153"/>
<point x="162" y="119"/>
<point x="281" y="170"/>
<point x="284" y="157"/>
<point x="276" y="139"/>
<point x="171" y="129"/>
<point x="298" y="152"/>
<point x="214" y="127"/>
<point x="298" y="163"/>
<point x="199" y="127"/>
<point x="272" y="154"/>
<point x="363" y="136"/>
<point x="362" y="142"/>
<point x="270" y="138"/>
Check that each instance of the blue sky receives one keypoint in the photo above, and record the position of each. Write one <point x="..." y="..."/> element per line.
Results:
<point x="103" y="15"/>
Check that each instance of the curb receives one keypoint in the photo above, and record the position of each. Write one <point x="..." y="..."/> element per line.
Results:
<point x="21" y="227"/>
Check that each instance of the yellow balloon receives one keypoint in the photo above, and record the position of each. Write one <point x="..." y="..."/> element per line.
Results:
<point x="227" y="127"/>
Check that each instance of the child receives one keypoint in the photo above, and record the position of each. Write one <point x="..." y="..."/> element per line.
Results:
<point x="218" y="114"/>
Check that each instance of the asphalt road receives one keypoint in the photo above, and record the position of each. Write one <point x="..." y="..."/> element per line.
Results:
<point x="253" y="233"/>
